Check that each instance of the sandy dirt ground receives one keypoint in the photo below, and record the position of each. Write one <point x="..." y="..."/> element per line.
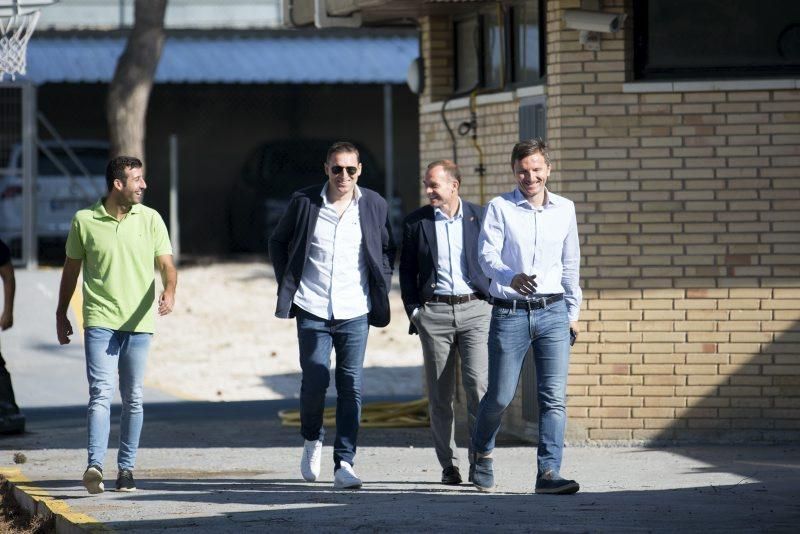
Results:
<point x="223" y="342"/>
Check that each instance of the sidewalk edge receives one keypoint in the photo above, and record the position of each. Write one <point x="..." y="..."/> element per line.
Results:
<point x="38" y="502"/>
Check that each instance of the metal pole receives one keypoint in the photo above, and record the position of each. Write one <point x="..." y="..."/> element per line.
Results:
<point x="174" y="225"/>
<point x="388" y="144"/>
<point x="30" y="239"/>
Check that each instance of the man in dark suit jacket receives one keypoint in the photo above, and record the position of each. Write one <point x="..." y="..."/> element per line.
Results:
<point x="444" y="292"/>
<point x="333" y="258"/>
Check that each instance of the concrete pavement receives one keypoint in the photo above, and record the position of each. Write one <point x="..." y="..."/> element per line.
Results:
<point x="231" y="467"/>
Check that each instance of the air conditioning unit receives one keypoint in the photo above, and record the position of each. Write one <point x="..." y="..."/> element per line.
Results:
<point x="306" y="12"/>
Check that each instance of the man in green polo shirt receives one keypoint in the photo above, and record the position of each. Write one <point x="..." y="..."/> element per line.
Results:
<point x="117" y="242"/>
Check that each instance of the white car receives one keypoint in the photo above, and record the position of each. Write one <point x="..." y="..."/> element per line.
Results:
<point x="62" y="188"/>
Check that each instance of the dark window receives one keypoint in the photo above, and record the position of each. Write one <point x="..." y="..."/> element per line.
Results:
<point x="716" y="38"/>
<point x="532" y="118"/>
<point x="493" y="49"/>
<point x="527" y="41"/>
<point x="468" y="52"/>
<point x="500" y="45"/>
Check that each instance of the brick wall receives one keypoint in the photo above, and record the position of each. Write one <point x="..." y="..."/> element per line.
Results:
<point x="688" y="206"/>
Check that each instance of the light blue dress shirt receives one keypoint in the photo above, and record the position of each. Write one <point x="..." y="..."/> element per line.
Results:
<point x="451" y="259"/>
<point x="519" y="238"/>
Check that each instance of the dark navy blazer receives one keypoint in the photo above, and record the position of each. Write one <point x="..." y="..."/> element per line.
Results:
<point x="291" y="240"/>
<point x="420" y="256"/>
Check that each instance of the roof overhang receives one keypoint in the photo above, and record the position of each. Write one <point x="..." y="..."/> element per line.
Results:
<point x="278" y="57"/>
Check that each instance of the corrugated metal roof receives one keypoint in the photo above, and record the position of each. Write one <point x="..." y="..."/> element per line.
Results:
<point x="304" y="59"/>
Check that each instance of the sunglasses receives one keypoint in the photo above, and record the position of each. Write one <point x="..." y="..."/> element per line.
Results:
<point x="337" y="169"/>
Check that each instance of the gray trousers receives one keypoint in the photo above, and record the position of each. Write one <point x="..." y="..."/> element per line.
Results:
<point x="444" y="331"/>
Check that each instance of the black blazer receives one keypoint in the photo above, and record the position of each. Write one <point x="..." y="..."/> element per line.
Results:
<point x="290" y="242"/>
<point x="419" y="259"/>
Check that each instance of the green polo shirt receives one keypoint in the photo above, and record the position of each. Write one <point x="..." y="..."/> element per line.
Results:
<point x="118" y="265"/>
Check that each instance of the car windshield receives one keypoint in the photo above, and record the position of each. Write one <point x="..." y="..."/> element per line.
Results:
<point x="93" y="158"/>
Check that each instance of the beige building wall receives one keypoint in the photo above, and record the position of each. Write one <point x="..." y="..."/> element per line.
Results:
<point x="688" y="199"/>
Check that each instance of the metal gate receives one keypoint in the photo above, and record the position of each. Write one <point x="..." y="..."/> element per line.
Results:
<point x="18" y="170"/>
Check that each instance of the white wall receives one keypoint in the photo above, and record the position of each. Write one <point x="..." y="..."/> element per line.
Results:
<point x="188" y="14"/>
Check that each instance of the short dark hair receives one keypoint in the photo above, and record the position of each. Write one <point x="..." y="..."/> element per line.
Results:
<point x="342" y="146"/>
<point x="449" y="167"/>
<point x="115" y="170"/>
<point x="529" y="147"/>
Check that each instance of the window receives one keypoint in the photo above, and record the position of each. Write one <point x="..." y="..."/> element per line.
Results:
<point x="467" y="54"/>
<point x="527" y="21"/>
<point x="716" y="38"/>
<point x="493" y="49"/>
<point x="532" y="118"/>
<point x="500" y="45"/>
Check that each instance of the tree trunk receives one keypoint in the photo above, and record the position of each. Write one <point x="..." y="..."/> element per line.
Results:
<point x="129" y="92"/>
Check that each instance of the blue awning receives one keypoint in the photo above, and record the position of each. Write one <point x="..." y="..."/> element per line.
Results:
<point x="280" y="59"/>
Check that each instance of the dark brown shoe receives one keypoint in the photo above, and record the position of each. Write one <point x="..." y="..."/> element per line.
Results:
<point x="451" y="476"/>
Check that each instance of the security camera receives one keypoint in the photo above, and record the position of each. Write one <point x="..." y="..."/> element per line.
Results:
<point x="593" y="21"/>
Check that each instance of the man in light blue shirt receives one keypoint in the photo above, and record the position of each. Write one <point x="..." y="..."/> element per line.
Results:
<point x="528" y="247"/>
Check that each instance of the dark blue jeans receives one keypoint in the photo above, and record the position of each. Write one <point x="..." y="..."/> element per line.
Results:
<point x="317" y="337"/>
<point x="511" y="334"/>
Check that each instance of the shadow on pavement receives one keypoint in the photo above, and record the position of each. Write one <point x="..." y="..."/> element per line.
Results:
<point x="196" y="425"/>
<point x="295" y="505"/>
<point x="384" y="381"/>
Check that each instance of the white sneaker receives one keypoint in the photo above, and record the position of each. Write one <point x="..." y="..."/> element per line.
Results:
<point x="93" y="480"/>
<point x="309" y="464"/>
<point x="345" y="477"/>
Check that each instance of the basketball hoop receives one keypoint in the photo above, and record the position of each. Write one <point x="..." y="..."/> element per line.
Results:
<point x="18" y="20"/>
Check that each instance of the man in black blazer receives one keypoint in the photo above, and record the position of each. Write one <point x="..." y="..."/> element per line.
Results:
<point x="333" y="258"/>
<point x="444" y="293"/>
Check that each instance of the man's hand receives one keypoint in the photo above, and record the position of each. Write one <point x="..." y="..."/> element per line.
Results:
<point x="574" y="325"/>
<point x="6" y="320"/>
<point x="63" y="329"/>
<point x="524" y="284"/>
<point x="166" y="302"/>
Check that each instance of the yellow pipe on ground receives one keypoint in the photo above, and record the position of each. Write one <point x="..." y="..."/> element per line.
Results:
<point x="373" y="415"/>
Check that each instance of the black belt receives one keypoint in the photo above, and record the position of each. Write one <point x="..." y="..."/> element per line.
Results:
<point x="454" y="299"/>
<point x="534" y="304"/>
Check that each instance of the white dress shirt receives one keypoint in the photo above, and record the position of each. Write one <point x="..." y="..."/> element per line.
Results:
<point x="519" y="238"/>
<point x="452" y="260"/>
<point x="335" y="281"/>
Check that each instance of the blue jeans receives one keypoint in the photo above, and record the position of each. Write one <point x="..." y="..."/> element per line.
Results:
<point x="316" y="338"/>
<point x="511" y="334"/>
<point x="109" y="352"/>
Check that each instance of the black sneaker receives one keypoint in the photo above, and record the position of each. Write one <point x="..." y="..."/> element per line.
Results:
<point x="451" y="476"/>
<point x="11" y="420"/>
<point x="93" y="479"/>
<point x="125" y="480"/>
<point x="483" y="474"/>
<point x="551" y="483"/>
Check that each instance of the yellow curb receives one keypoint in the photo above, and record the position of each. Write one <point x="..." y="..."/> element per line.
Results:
<point x="55" y="507"/>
